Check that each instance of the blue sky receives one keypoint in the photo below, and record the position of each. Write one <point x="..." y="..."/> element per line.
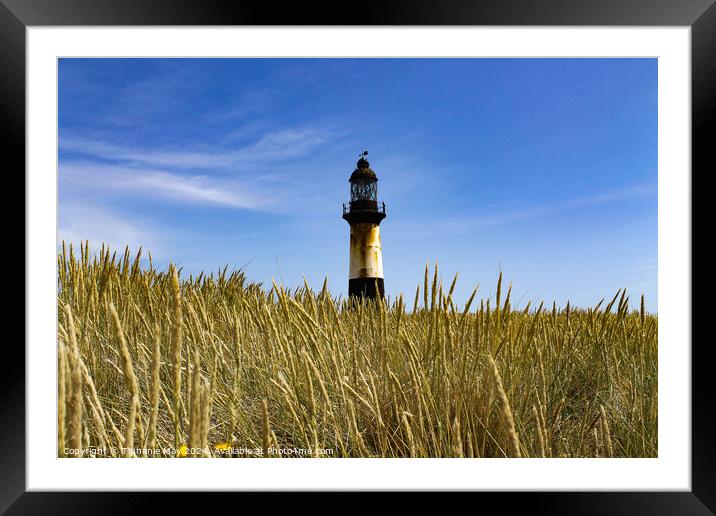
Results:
<point x="545" y="169"/>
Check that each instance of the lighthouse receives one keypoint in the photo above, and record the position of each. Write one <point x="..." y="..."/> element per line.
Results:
<point x="364" y="214"/>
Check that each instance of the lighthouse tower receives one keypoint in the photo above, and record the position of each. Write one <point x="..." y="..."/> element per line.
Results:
<point x="364" y="214"/>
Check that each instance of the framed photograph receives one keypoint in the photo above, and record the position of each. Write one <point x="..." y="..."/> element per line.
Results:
<point x="438" y="248"/>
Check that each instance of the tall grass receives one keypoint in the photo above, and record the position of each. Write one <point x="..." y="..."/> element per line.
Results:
<point x="165" y="364"/>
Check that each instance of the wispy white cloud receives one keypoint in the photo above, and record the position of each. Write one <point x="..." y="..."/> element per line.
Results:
<point x="254" y="176"/>
<point x="468" y="222"/>
<point x="273" y="147"/>
<point x="111" y="152"/>
<point x="620" y="194"/>
<point x="155" y="183"/>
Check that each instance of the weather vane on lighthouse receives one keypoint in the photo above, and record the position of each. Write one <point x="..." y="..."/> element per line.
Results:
<point x="364" y="214"/>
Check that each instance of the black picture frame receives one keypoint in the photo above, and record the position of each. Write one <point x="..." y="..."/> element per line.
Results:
<point x="700" y="15"/>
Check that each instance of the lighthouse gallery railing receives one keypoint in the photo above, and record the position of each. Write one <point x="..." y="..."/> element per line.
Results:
<point x="355" y="206"/>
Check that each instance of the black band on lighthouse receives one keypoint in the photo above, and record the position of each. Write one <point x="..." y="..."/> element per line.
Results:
<point x="366" y="287"/>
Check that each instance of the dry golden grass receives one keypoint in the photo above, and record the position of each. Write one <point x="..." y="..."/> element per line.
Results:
<point x="213" y="366"/>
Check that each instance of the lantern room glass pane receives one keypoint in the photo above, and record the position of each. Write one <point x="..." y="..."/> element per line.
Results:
<point x="367" y="191"/>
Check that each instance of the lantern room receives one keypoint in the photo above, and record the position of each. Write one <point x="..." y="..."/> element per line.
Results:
<point x="364" y="205"/>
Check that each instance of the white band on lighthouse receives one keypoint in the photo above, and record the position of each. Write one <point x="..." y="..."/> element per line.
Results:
<point x="365" y="252"/>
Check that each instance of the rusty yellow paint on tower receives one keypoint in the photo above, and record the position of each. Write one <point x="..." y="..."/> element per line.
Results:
<point x="366" y="256"/>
